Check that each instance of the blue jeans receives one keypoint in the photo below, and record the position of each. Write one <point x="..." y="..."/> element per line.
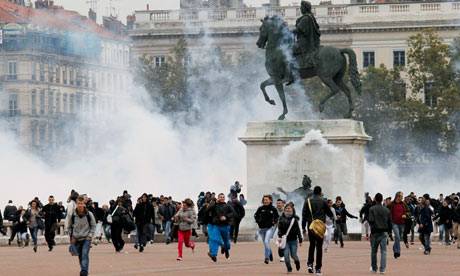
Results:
<point x="425" y="239"/>
<point x="379" y="239"/>
<point x="398" y="230"/>
<point x="290" y="251"/>
<point x="33" y="234"/>
<point x="167" y="229"/>
<point x="266" y="234"/>
<point x="83" y="255"/>
<point x="219" y="235"/>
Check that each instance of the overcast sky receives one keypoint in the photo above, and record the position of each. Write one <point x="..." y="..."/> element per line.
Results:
<point x="126" y="7"/>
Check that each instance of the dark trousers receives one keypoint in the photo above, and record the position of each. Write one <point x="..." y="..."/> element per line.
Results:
<point x="141" y="231"/>
<point x="234" y="230"/>
<point x="117" y="239"/>
<point x="14" y="231"/>
<point x="50" y="233"/>
<point x="315" y="243"/>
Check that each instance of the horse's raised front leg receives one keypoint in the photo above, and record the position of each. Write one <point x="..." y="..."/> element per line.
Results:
<point x="280" y="89"/>
<point x="263" y="85"/>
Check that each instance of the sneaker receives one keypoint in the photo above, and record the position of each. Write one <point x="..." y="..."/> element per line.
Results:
<point x="227" y="254"/>
<point x="35" y="248"/>
<point x="372" y="270"/>
<point x="282" y="260"/>
<point x="397" y="255"/>
<point x="179" y="259"/>
<point x="222" y="251"/>
<point x="266" y="261"/>
<point x="289" y="270"/>
<point x="382" y="272"/>
<point x="318" y="272"/>
<point x="141" y="249"/>
<point x="426" y="252"/>
<point x="310" y="269"/>
<point x="9" y="242"/>
<point x="136" y="246"/>
<point x="213" y="258"/>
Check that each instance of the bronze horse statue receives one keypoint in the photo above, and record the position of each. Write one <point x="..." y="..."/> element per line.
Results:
<point x="330" y="64"/>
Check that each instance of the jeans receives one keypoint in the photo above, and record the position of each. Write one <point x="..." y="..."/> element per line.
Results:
<point x="444" y="233"/>
<point x="425" y="239"/>
<point x="83" y="255"/>
<point x="149" y="231"/>
<point x="315" y="243"/>
<point x="266" y="234"/>
<point x="398" y="230"/>
<point x="219" y="235"/>
<point x="379" y="239"/>
<point x="33" y="234"/>
<point x="183" y="237"/>
<point x="167" y="229"/>
<point x="107" y="232"/>
<point x="290" y="251"/>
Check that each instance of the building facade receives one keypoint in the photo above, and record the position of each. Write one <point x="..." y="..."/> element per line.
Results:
<point x="56" y="65"/>
<point x="378" y="33"/>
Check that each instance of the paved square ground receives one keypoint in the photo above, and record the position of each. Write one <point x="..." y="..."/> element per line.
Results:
<point x="246" y="259"/>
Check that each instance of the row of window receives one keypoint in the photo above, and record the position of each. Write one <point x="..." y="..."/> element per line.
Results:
<point x="399" y="59"/>
<point x="70" y="76"/>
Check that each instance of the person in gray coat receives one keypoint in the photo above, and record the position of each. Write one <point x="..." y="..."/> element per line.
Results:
<point x="82" y="227"/>
<point x="186" y="218"/>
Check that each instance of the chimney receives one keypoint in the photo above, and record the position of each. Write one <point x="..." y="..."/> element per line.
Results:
<point x="92" y="15"/>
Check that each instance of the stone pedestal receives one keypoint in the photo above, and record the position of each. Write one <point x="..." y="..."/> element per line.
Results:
<point x="330" y="152"/>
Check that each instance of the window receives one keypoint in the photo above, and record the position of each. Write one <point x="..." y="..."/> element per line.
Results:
<point x="65" y="104"/>
<point x="50" y="73"/>
<point x="159" y="61"/>
<point x="58" y="102"/>
<point x="13" y="105"/>
<point x="93" y="107"/>
<point x="71" y="103"/>
<point x="368" y="59"/>
<point x="33" y="71"/>
<point x="71" y="77"/>
<point x="50" y="102"/>
<point x="399" y="58"/>
<point x="78" y="102"/>
<point x="42" y="102"/>
<point x="58" y="74"/>
<point x="93" y="80"/>
<point x="42" y="133"/>
<point x="79" y="78"/>
<point x="64" y="75"/>
<point x="430" y="98"/>
<point x="33" y="103"/>
<point x="33" y="128"/>
<point x="42" y="72"/>
<point x="12" y="70"/>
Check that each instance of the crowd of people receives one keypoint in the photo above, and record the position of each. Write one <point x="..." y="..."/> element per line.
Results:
<point x="218" y="218"/>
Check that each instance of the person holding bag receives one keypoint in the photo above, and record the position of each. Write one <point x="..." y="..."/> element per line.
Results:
<point x="115" y="219"/>
<point x="314" y="212"/>
<point x="288" y="234"/>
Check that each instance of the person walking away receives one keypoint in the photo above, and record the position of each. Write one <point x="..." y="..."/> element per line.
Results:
<point x="235" y="189"/>
<point x="445" y="216"/>
<point x="116" y="226"/>
<point x="10" y="211"/>
<point x="280" y="208"/>
<point x="51" y="214"/>
<point x="293" y="238"/>
<point x="330" y="224"/>
<point x="167" y="212"/>
<point x="399" y="214"/>
<point x="381" y="226"/>
<point x="237" y="218"/>
<point x="144" y="215"/>
<point x="15" y="220"/>
<point x="364" y="216"/>
<point x="1" y="225"/>
<point x="186" y="218"/>
<point x="318" y="210"/>
<point x="220" y="219"/>
<point x="341" y="222"/>
<point x="99" y="216"/>
<point x="425" y="224"/>
<point x="82" y="227"/>
<point x="34" y="221"/>
<point x="266" y="218"/>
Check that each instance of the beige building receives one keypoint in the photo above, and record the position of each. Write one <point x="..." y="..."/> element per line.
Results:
<point x="56" y="65"/>
<point x="377" y="32"/>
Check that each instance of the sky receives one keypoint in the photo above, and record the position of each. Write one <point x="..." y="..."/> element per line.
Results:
<point x="126" y="7"/>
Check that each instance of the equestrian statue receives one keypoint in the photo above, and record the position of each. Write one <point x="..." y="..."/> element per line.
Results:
<point x="290" y="55"/>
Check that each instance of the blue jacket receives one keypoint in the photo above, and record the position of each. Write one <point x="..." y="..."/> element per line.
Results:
<point x="425" y="220"/>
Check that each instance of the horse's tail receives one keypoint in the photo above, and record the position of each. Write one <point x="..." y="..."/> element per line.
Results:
<point x="353" y="69"/>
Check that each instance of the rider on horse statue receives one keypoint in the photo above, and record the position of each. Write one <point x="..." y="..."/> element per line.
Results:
<point x="308" y="37"/>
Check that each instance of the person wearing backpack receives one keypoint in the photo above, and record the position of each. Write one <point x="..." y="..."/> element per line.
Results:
<point x="237" y="218"/>
<point x="115" y="218"/>
<point x="289" y="229"/>
<point x="314" y="210"/>
<point x="82" y="227"/>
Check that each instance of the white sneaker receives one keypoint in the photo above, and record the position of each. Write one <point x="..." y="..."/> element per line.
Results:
<point x="282" y="260"/>
<point x="372" y="271"/>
